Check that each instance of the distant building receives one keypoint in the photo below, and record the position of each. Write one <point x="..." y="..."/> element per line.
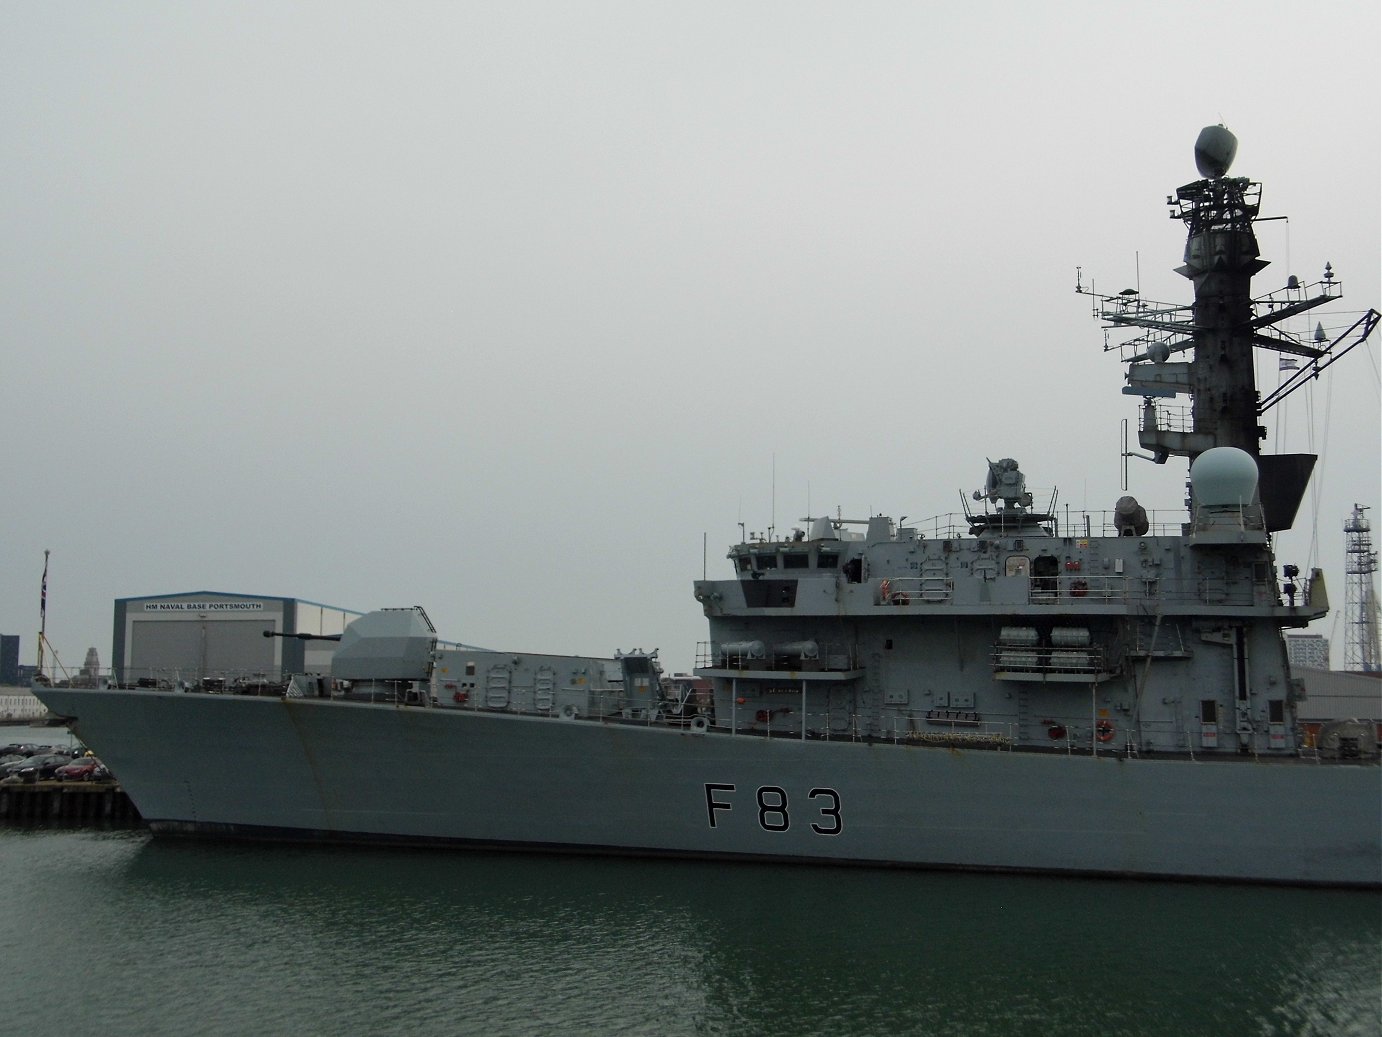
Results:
<point x="1340" y="695"/>
<point x="213" y="635"/>
<point x="21" y="708"/>
<point x="9" y="659"/>
<point x="1307" y="650"/>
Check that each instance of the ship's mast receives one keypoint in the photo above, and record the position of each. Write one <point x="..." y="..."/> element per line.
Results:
<point x="1220" y="259"/>
<point x="1219" y="331"/>
<point x="1360" y="600"/>
<point x="42" y="615"/>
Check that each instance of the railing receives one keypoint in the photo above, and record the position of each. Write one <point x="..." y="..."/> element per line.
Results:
<point x="166" y="678"/>
<point x="1076" y="588"/>
<point x="906" y="590"/>
<point x="829" y="657"/>
<point x="1242" y="517"/>
<point x="951" y="727"/>
<point x="1040" y="660"/>
<point x="1067" y="523"/>
<point x="1167" y="419"/>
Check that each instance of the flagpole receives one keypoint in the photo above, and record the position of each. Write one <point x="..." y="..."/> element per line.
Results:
<point x="42" y="614"/>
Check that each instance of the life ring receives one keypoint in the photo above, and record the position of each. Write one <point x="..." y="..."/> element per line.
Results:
<point x="460" y="696"/>
<point x="569" y="712"/>
<point x="1104" y="730"/>
<point x="700" y="725"/>
<point x="885" y="590"/>
<point x="1078" y="589"/>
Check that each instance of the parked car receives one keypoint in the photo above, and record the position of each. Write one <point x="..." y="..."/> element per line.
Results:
<point x="35" y="768"/>
<point x="23" y="749"/>
<point x="87" y="768"/>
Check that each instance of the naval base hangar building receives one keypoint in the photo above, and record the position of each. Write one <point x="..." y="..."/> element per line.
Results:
<point x="210" y="635"/>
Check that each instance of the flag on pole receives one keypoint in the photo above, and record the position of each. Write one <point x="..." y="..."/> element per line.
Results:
<point x="1288" y="363"/>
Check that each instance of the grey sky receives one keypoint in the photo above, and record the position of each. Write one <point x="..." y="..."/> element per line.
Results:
<point x="498" y="308"/>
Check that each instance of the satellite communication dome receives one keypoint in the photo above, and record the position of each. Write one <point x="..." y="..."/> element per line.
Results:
<point x="1214" y="151"/>
<point x="1224" y="476"/>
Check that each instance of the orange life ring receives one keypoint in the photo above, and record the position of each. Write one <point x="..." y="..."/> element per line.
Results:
<point x="1078" y="589"/>
<point x="460" y="696"/>
<point x="1104" y="730"/>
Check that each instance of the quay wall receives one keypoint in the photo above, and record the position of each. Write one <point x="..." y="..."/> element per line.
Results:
<point x="75" y="804"/>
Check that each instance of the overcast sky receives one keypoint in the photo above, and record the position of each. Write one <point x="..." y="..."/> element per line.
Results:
<point x="501" y="308"/>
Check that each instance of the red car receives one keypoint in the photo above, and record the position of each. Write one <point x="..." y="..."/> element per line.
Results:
<point x="87" y="768"/>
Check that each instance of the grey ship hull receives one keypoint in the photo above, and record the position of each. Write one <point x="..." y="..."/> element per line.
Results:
<point x="322" y="770"/>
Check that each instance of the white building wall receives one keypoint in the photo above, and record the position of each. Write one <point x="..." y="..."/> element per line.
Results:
<point x="1308" y="650"/>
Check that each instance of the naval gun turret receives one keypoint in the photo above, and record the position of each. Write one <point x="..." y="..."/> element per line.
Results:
<point x="386" y="651"/>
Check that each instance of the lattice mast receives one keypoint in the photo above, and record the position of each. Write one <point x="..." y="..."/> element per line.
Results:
<point x="1361" y="652"/>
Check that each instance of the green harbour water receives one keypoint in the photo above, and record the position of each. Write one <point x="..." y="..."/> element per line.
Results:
<point x="111" y="932"/>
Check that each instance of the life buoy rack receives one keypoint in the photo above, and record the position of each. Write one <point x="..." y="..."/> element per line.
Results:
<point x="1104" y="730"/>
<point x="1078" y="589"/>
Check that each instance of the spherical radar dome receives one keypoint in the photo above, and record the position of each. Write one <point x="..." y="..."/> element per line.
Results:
<point x="1224" y="476"/>
<point x="1214" y="151"/>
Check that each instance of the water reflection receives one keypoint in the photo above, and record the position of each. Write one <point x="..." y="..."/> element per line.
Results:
<point x="368" y="941"/>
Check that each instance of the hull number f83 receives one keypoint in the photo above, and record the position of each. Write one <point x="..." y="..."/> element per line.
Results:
<point x="774" y="811"/>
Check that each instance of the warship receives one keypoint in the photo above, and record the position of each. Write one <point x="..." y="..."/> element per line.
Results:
<point x="1103" y="696"/>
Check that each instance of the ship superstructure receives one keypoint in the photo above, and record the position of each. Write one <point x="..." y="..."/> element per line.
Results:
<point x="1018" y="634"/>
